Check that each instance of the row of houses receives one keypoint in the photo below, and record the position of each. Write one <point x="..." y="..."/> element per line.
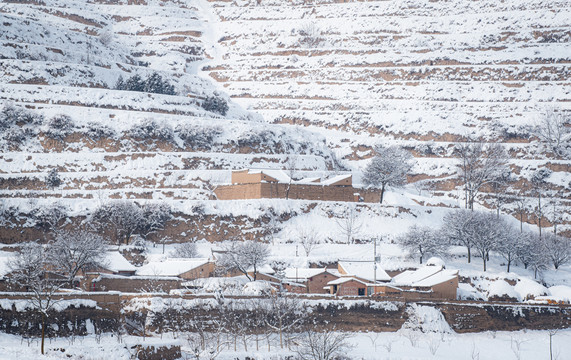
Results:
<point x="348" y="278"/>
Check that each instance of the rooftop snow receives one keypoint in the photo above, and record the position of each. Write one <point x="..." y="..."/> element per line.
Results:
<point x="364" y="270"/>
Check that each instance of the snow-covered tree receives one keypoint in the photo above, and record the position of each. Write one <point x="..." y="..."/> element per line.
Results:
<point x="455" y="226"/>
<point x="49" y="218"/>
<point x="509" y="246"/>
<point x="557" y="249"/>
<point x="323" y="345"/>
<point x="199" y="137"/>
<point x="388" y="168"/>
<point x="74" y="251"/>
<point x="245" y="257"/>
<point x="53" y="179"/>
<point x="150" y="129"/>
<point x="154" y="218"/>
<point x="539" y="184"/>
<point x="123" y="218"/>
<point x="554" y="130"/>
<point x="155" y="84"/>
<point x="97" y="131"/>
<point x="486" y="232"/>
<point x="479" y="165"/>
<point x="186" y="250"/>
<point x="423" y="241"/>
<point x="28" y="270"/>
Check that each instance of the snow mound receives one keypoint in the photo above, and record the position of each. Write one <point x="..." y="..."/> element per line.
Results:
<point x="501" y="288"/>
<point x="468" y="292"/>
<point x="561" y="292"/>
<point x="435" y="261"/>
<point x="257" y="288"/>
<point x="425" y="319"/>
<point x="529" y="289"/>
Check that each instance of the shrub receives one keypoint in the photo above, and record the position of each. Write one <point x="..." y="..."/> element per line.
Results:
<point x="97" y="131"/>
<point x="59" y="126"/>
<point x="198" y="137"/>
<point x="149" y="129"/>
<point x="153" y="84"/>
<point x="215" y="104"/>
<point x="15" y="116"/>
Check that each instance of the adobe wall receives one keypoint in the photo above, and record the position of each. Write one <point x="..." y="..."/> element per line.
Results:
<point x="350" y="288"/>
<point x="202" y="271"/>
<point x="296" y="192"/>
<point x="316" y="284"/>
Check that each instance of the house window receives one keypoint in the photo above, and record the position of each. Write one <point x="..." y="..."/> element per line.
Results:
<point x="361" y="291"/>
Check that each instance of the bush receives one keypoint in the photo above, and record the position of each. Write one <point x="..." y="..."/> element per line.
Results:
<point x="215" y="104"/>
<point x="59" y="126"/>
<point x="149" y="129"/>
<point x="153" y="84"/>
<point x="97" y="131"/>
<point x="15" y="116"/>
<point x="198" y="137"/>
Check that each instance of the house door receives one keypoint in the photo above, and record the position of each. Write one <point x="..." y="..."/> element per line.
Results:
<point x="361" y="291"/>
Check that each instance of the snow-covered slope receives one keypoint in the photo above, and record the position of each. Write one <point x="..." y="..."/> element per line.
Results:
<point x="311" y="80"/>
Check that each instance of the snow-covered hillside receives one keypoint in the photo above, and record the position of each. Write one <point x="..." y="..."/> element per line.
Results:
<point x="314" y="81"/>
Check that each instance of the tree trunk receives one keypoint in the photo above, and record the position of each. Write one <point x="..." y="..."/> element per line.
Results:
<point x="43" y="331"/>
<point x="484" y="260"/>
<point x="382" y="193"/>
<point x="509" y="263"/>
<point x="469" y="254"/>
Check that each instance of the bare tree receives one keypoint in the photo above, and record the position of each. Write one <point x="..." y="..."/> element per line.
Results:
<point x="423" y="242"/>
<point x="509" y="246"/>
<point x="73" y="251"/>
<point x="349" y="224"/>
<point x="28" y="270"/>
<point x="486" y="232"/>
<point x="557" y="249"/>
<point x="284" y="314"/>
<point x="539" y="183"/>
<point x="532" y="253"/>
<point x="479" y="165"/>
<point x="521" y="207"/>
<point x="325" y="345"/>
<point x="454" y="229"/>
<point x="185" y="250"/>
<point x="246" y="257"/>
<point x="388" y="168"/>
<point x="554" y="130"/>
<point x="123" y="218"/>
<point x="308" y="238"/>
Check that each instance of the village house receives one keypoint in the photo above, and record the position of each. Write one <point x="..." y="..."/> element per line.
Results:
<point x="357" y="278"/>
<point x="276" y="184"/>
<point x="430" y="281"/>
<point x="308" y="280"/>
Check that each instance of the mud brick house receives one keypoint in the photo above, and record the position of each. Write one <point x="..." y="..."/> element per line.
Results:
<point x="309" y="280"/>
<point x="357" y="278"/>
<point x="276" y="184"/>
<point x="186" y="269"/>
<point x="430" y="281"/>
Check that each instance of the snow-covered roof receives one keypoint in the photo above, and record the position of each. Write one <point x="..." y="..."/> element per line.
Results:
<point x="438" y="278"/>
<point x="364" y="270"/>
<point x="170" y="267"/>
<point x="345" y="279"/>
<point x="306" y="273"/>
<point x="116" y="262"/>
<point x="410" y="277"/>
<point x="279" y="175"/>
<point x="425" y="276"/>
<point x="335" y="179"/>
<point x="309" y="180"/>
